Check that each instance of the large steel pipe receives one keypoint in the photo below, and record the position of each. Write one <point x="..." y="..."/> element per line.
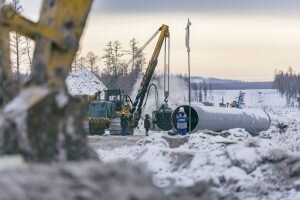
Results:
<point x="220" y="119"/>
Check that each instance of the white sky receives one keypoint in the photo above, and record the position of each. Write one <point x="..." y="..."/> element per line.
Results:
<point x="228" y="45"/>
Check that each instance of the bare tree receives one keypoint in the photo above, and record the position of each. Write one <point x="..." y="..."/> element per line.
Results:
<point x="76" y="61"/>
<point x="205" y="88"/>
<point x="195" y="93"/>
<point x="115" y="67"/>
<point x="138" y="59"/>
<point x="17" y="43"/>
<point x="138" y="62"/>
<point x="108" y="58"/>
<point x="82" y="63"/>
<point x="136" y="56"/>
<point x="133" y="50"/>
<point x="117" y="49"/>
<point x="91" y="61"/>
<point x="29" y="52"/>
<point x="288" y="85"/>
<point x="200" y="93"/>
<point x="115" y="73"/>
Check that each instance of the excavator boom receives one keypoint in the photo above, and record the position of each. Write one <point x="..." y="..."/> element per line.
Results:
<point x="136" y="110"/>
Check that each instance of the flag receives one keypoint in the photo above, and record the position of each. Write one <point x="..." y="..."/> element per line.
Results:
<point x="187" y="37"/>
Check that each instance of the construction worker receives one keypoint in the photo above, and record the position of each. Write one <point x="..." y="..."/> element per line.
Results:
<point x="147" y="124"/>
<point x="124" y="124"/>
<point x="182" y="122"/>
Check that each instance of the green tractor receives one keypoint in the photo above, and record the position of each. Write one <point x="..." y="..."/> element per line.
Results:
<point x="105" y="114"/>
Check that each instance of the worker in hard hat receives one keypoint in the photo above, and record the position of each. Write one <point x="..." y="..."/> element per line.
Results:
<point x="182" y="121"/>
<point x="147" y="124"/>
<point x="124" y="124"/>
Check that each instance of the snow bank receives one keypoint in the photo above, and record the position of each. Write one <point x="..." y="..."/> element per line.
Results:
<point x="9" y="162"/>
<point x="83" y="82"/>
<point x="266" y="166"/>
<point x="78" y="180"/>
<point x="230" y="163"/>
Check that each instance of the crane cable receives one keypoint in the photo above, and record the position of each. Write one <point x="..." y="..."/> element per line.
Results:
<point x="167" y="69"/>
<point x="156" y="97"/>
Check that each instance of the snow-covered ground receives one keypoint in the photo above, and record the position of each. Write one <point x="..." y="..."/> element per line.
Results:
<point x="266" y="166"/>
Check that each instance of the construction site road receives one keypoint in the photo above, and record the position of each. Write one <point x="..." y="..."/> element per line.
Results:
<point x="112" y="142"/>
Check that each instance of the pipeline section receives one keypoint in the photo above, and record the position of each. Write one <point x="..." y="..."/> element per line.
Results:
<point x="219" y="119"/>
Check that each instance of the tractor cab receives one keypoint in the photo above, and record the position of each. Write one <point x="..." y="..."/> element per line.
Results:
<point x="116" y="97"/>
<point x="102" y="112"/>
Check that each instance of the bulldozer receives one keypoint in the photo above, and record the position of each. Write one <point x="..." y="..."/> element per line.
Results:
<point x="105" y="114"/>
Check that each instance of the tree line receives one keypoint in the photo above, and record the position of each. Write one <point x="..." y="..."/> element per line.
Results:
<point x="117" y="73"/>
<point x="288" y="85"/>
<point x="21" y="49"/>
<point x="200" y="91"/>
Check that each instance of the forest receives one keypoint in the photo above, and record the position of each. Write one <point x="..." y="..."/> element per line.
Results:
<point x="288" y="85"/>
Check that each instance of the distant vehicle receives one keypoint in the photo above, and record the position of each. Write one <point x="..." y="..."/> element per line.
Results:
<point x="240" y="102"/>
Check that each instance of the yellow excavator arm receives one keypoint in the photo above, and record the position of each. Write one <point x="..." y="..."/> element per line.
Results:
<point x="136" y="111"/>
<point x="56" y="34"/>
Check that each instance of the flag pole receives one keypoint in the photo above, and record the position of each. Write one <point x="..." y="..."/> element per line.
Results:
<point x="190" y="110"/>
<point x="189" y="71"/>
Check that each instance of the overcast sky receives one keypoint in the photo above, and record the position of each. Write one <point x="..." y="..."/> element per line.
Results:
<point x="234" y="39"/>
<point x="212" y="6"/>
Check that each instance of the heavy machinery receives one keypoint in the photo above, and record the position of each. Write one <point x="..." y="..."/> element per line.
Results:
<point x="106" y="114"/>
<point x="162" y="116"/>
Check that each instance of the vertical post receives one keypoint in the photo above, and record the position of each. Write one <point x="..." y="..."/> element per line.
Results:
<point x="189" y="71"/>
<point x="190" y="112"/>
<point x="6" y="89"/>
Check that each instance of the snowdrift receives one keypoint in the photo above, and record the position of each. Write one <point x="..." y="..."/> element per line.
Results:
<point x="83" y="82"/>
<point x="266" y="166"/>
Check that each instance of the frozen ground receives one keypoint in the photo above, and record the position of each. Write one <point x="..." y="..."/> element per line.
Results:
<point x="266" y="166"/>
